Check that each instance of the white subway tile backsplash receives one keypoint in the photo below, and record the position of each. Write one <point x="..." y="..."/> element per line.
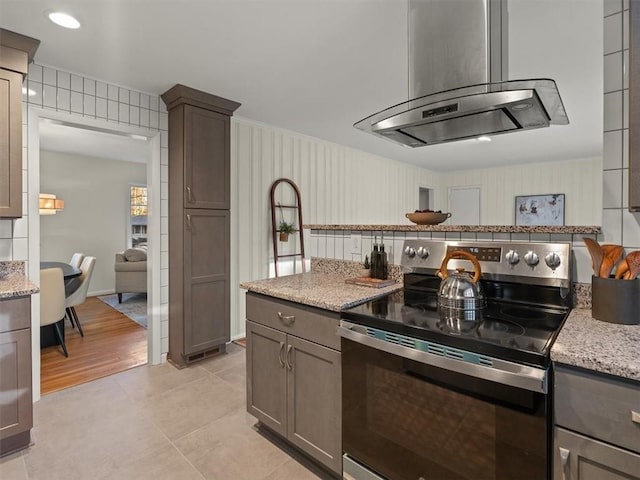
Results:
<point x="134" y="115"/>
<point x="154" y="119"/>
<point x="625" y="109"/>
<point x="6" y="228"/>
<point x="144" y="100"/>
<point x="134" y="98"/>
<point x="49" y="76"/>
<point x="612" y="150"/>
<point x="5" y="249"/>
<point x="144" y="117"/>
<point x="123" y="95"/>
<point x="89" y="86"/>
<point x="101" y="107"/>
<point x="77" y="83"/>
<point x="101" y="90"/>
<point x="631" y="230"/>
<point x="612" y="72"/>
<point x="625" y="188"/>
<point x="625" y="69"/>
<point x="77" y="101"/>
<point x="112" y="110"/>
<point x="89" y="105"/>
<point x="612" y="111"/>
<point x="625" y="148"/>
<point x="21" y="227"/>
<point x="35" y="72"/>
<point x="64" y="80"/>
<point x="583" y="269"/>
<point x="154" y="103"/>
<point x="164" y="139"/>
<point x="36" y="88"/>
<point x="625" y="29"/>
<point x="123" y="113"/>
<point x="612" y="33"/>
<point x="164" y="156"/>
<point x="612" y="189"/>
<point x="164" y="121"/>
<point x="64" y="99"/>
<point x="611" y="226"/>
<point x="49" y="96"/>
<point x="112" y="92"/>
<point x="20" y="249"/>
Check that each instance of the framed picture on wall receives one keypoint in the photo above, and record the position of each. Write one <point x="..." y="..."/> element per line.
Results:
<point x="536" y="210"/>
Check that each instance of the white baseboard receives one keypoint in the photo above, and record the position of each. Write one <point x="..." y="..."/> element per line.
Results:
<point x="101" y="292"/>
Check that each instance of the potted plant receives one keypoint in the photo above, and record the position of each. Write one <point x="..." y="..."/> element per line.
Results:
<point x="285" y="230"/>
<point x="365" y="271"/>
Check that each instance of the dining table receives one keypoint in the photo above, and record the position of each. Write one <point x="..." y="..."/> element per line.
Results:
<point x="72" y="281"/>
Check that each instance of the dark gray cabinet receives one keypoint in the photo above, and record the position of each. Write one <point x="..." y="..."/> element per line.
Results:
<point x="16" y="418"/>
<point x="199" y="235"/>
<point x="597" y="432"/>
<point x="294" y="375"/>
<point x="16" y="52"/>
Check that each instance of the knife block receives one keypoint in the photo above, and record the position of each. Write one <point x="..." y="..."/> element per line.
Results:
<point x="615" y="300"/>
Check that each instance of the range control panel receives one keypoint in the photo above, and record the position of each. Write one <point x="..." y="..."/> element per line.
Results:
<point x="523" y="262"/>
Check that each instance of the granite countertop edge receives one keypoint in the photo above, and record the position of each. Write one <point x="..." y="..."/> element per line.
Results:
<point x="15" y="285"/>
<point x="322" y="290"/>
<point x="598" y="346"/>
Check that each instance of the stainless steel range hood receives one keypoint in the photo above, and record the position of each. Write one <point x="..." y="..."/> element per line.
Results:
<point x="458" y="87"/>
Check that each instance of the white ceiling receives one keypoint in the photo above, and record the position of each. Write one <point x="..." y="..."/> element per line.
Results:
<point x="318" y="66"/>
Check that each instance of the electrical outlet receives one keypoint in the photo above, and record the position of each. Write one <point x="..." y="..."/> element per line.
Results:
<point x="356" y="244"/>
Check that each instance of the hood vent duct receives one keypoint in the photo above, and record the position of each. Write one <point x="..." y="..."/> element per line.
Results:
<point x="458" y="86"/>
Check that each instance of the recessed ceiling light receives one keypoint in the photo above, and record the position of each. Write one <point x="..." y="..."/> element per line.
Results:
<point x="64" y="20"/>
<point x="29" y="92"/>
<point x="483" y="138"/>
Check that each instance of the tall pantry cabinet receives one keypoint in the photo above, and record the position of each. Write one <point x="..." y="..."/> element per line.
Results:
<point x="199" y="183"/>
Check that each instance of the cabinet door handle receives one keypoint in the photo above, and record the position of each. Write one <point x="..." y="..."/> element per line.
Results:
<point x="288" y="357"/>
<point x="564" y="457"/>
<point x="286" y="319"/>
<point x="635" y="417"/>
<point x="281" y="354"/>
<point x="188" y="222"/>
<point x="189" y="196"/>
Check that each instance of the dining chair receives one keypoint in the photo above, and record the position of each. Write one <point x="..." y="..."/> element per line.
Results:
<point x="76" y="260"/>
<point x="52" y="301"/>
<point x="80" y="295"/>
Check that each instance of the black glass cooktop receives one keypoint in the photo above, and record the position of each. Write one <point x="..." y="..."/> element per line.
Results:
<point x="503" y="329"/>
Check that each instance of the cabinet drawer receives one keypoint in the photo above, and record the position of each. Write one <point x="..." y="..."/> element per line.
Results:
<point x="602" y="407"/>
<point x="302" y="321"/>
<point x="15" y="314"/>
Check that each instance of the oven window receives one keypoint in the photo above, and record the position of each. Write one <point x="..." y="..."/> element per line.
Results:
<point x="406" y="420"/>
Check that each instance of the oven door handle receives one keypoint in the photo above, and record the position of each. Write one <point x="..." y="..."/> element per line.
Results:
<point x="502" y="371"/>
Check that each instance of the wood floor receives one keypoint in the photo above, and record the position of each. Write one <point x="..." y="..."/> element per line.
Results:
<point x="112" y="343"/>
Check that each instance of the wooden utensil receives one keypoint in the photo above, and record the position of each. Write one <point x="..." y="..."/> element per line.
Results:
<point x="611" y="256"/>
<point x="595" y="250"/>
<point x="633" y="260"/>
<point x="623" y="267"/>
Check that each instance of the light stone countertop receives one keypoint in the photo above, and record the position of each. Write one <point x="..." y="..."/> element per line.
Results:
<point x="600" y="346"/>
<point x="13" y="282"/>
<point x="322" y="290"/>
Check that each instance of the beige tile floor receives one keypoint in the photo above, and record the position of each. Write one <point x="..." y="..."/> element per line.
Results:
<point x="155" y="422"/>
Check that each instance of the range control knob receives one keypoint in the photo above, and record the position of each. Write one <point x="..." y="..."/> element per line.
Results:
<point x="512" y="257"/>
<point x="409" y="251"/>
<point x="531" y="258"/>
<point x="552" y="260"/>
<point x="423" y="252"/>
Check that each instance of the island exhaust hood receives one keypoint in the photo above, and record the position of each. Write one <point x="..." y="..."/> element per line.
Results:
<point x="458" y="79"/>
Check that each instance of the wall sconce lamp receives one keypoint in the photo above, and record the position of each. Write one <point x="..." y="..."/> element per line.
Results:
<point x="49" y="204"/>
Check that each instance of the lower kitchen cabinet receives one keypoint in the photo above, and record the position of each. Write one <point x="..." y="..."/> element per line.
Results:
<point x="16" y="418"/>
<point x="294" y="383"/>
<point x="577" y="457"/>
<point x="597" y="432"/>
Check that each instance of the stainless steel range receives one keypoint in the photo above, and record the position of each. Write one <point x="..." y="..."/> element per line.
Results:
<point x="426" y="396"/>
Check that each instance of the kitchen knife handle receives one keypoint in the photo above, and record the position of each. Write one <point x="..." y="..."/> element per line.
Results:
<point x="288" y="357"/>
<point x="188" y="222"/>
<point x="281" y="354"/>
<point x="564" y="457"/>
<point x="189" y="196"/>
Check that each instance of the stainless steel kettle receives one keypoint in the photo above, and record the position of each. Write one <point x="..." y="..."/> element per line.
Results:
<point x="460" y="297"/>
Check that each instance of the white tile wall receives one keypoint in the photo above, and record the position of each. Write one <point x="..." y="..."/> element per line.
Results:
<point x="85" y="98"/>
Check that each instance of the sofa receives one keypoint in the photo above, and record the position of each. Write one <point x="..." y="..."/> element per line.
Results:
<point x="131" y="271"/>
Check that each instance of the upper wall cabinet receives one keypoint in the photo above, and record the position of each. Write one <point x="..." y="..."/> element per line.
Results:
<point x="634" y="106"/>
<point x="16" y="52"/>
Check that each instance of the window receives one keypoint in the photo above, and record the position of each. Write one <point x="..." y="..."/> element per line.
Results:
<point x="138" y="215"/>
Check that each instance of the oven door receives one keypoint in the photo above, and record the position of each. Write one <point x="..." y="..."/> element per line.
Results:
<point x="407" y="416"/>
